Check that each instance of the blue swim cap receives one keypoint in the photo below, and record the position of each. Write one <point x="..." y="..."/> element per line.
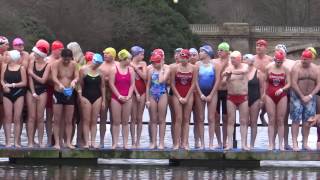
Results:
<point x="193" y="51"/>
<point x="97" y="59"/>
<point x="208" y="49"/>
<point x="136" y="50"/>
<point x="68" y="91"/>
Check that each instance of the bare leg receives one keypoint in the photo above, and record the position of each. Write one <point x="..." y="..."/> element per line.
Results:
<point x="271" y="111"/>
<point x="68" y="114"/>
<point x="116" y="109"/>
<point x="178" y="122"/>
<point x="7" y="120"/>
<point x="141" y="107"/>
<point x="254" y="113"/>
<point x="153" y="111"/>
<point x="18" y="107"/>
<point x="199" y="133"/>
<point x="211" y="119"/>
<point x="40" y="117"/>
<point x="281" y="111"/>
<point x="49" y="117"/>
<point x="93" y="124"/>
<point x="305" y="135"/>
<point x="86" y="115"/>
<point x="32" y="107"/>
<point x="162" y="112"/>
<point x="57" y="112"/>
<point x="232" y="117"/>
<point x="244" y="112"/>
<point x="126" y="111"/>
<point x="187" y="108"/>
<point x="134" y="120"/>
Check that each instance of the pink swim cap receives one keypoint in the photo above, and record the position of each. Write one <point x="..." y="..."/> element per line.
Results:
<point x="17" y="41"/>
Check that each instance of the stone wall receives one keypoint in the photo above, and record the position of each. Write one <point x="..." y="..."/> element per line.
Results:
<point x="242" y="36"/>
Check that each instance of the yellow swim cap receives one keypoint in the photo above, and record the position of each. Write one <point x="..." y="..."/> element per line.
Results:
<point x="111" y="51"/>
<point x="124" y="54"/>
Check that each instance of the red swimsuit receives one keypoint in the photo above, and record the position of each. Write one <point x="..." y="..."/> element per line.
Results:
<point x="276" y="81"/>
<point x="140" y="84"/>
<point x="183" y="82"/>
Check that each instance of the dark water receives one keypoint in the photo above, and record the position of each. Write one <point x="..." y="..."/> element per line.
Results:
<point x="125" y="172"/>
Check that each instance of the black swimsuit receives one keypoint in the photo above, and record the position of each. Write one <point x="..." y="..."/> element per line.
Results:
<point x="92" y="86"/>
<point x="38" y="87"/>
<point x="253" y="89"/>
<point x="13" y="77"/>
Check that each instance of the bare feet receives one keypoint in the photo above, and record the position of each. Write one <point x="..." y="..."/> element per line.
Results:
<point x="152" y="146"/>
<point x="114" y="146"/>
<point x="295" y="147"/>
<point x="70" y="146"/>
<point x="56" y="147"/>
<point x="85" y="146"/>
<point x="30" y="145"/>
<point x="228" y="148"/>
<point x="161" y="146"/>
<point x="176" y="147"/>
<point x="137" y="145"/>
<point x="271" y="148"/>
<point x="17" y="145"/>
<point x="318" y="145"/>
<point x="125" y="147"/>
<point x="306" y="147"/>
<point x="245" y="148"/>
<point x="8" y="145"/>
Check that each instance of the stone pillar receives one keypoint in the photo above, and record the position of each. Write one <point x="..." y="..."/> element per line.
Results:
<point x="237" y="35"/>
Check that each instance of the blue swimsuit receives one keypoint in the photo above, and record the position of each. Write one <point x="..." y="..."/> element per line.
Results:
<point x="206" y="78"/>
<point x="157" y="89"/>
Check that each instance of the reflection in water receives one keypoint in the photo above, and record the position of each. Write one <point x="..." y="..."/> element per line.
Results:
<point x="121" y="172"/>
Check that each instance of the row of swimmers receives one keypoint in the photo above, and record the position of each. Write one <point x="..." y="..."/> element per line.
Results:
<point x="124" y="84"/>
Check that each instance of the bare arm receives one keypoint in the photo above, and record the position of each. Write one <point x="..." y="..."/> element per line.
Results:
<point x="132" y="84"/>
<point x="294" y="81"/>
<point x="261" y="79"/>
<point x="142" y="73"/>
<point x="54" y="74"/>
<point x="103" y="89"/>
<point x="173" y="82"/>
<point x="218" y="79"/>
<point x="164" y="74"/>
<point x="193" y="83"/>
<point x="111" y="82"/>
<point x="148" y="84"/>
<point x="45" y="76"/>
<point x="317" y="88"/>
<point x="288" y="80"/>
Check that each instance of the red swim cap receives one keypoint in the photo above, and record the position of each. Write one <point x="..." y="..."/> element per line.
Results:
<point x="279" y="56"/>
<point x="159" y="52"/>
<point x="156" y="58"/>
<point x="41" y="48"/>
<point x="88" y="56"/>
<point x="306" y="55"/>
<point x="262" y="42"/>
<point x="184" y="54"/>
<point x="57" y="45"/>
